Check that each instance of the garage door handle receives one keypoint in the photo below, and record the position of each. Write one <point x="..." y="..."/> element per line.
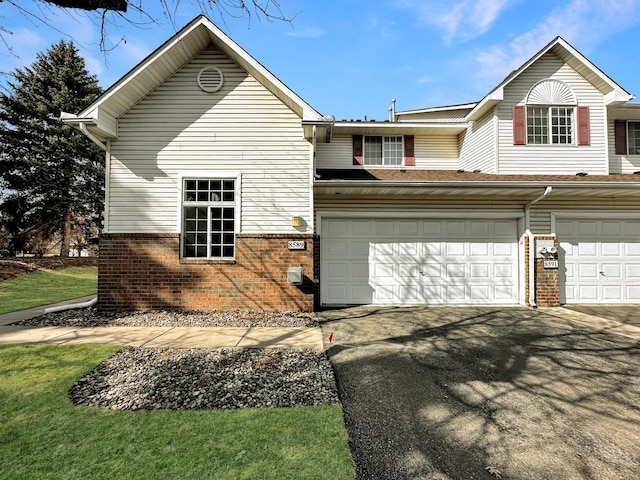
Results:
<point x="602" y="273"/>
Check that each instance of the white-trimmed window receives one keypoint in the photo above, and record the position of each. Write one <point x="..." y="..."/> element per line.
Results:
<point x="383" y="150"/>
<point x="209" y="217"/>
<point x="550" y="125"/>
<point x="633" y="136"/>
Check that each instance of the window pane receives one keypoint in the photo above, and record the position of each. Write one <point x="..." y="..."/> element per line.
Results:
<point x="373" y="150"/>
<point x="228" y="185"/>
<point x="561" y="122"/>
<point x="537" y="125"/>
<point x="227" y="251"/>
<point x="634" y="138"/>
<point x="393" y="150"/>
<point x="216" y="251"/>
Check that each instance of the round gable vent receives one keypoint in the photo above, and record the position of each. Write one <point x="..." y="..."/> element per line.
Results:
<point x="210" y="79"/>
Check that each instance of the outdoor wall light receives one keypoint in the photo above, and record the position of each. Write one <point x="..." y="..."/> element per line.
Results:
<point x="296" y="221"/>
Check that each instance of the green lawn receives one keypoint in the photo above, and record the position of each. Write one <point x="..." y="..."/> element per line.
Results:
<point x="43" y="436"/>
<point x="48" y="286"/>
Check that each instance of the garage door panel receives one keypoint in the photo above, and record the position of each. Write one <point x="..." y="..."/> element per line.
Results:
<point x="633" y="291"/>
<point x="599" y="261"/>
<point x="455" y="249"/>
<point x="632" y="271"/>
<point x="612" y="292"/>
<point x="480" y="270"/>
<point x="504" y="250"/>
<point x="632" y="249"/>
<point x="419" y="261"/>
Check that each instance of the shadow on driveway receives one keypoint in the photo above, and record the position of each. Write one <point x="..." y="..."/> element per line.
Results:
<point x="482" y="393"/>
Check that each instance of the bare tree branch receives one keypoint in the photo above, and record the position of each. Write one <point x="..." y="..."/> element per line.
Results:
<point x="108" y="15"/>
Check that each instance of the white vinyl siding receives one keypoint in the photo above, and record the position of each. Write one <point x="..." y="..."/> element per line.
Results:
<point x="477" y="146"/>
<point x="178" y="128"/>
<point x="431" y="153"/>
<point x="552" y="159"/>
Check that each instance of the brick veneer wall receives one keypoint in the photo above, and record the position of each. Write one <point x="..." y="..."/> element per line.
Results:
<point x="547" y="280"/>
<point x="145" y="272"/>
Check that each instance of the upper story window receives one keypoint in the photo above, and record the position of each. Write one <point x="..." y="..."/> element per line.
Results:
<point x="551" y="117"/>
<point x="550" y="125"/>
<point x="382" y="150"/>
<point x="634" y="138"/>
<point x="627" y="137"/>
<point x="209" y="217"/>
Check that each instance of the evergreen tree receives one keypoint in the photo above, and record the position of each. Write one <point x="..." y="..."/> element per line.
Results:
<point x="53" y="176"/>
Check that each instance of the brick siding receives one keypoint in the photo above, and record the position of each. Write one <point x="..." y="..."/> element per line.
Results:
<point x="547" y="280"/>
<point x="145" y="272"/>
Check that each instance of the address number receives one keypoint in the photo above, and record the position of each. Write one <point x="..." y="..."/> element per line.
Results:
<point x="551" y="264"/>
<point x="297" y="245"/>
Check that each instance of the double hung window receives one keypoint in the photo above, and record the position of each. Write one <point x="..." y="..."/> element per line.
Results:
<point x="209" y="208"/>
<point x="383" y="150"/>
<point x="633" y="136"/>
<point x="550" y="125"/>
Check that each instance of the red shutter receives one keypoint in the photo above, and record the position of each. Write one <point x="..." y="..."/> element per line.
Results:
<point x="621" y="137"/>
<point x="409" y="151"/>
<point x="584" y="132"/>
<point x="357" y="150"/>
<point x="519" y="125"/>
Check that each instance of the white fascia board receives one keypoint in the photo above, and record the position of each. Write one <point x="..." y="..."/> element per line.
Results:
<point x="228" y="46"/>
<point x="497" y="94"/>
<point x="476" y="184"/>
<point x="465" y="106"/>
<point x="173" y="42"/>
<point x="393" y="126"/>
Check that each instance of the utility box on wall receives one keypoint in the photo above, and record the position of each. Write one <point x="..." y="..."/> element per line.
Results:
<point x="295" y="276"/>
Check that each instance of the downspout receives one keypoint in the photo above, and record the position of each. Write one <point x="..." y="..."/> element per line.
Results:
<point x="83" y="128"/>
<point x="532" y="247"/>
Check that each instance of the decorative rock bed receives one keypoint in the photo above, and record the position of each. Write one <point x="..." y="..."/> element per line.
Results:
<point x="198" y="378"/>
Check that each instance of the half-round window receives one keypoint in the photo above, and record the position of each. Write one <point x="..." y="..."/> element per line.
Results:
<point x="210" y="79"/>
<point x="551" y="92"/>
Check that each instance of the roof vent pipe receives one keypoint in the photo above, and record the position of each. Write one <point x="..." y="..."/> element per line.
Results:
<point x="391" y="116"/>
<point x="393" y="109"/>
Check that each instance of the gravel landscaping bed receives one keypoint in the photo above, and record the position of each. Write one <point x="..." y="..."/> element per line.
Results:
<point x="91" y="317"/>
<point x="199" y="378"/>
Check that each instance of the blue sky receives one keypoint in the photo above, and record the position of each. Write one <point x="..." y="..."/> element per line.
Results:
<point x="350" y="58"/>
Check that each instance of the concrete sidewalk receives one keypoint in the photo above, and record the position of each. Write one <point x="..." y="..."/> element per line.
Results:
<point x="185" y="337"/>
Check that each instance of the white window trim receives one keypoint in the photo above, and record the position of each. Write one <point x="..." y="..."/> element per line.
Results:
<point x="628" y="137"/>
<point x="199" y="175"/>
<point x="574" y="128"/>
<point x="383" y="165"/>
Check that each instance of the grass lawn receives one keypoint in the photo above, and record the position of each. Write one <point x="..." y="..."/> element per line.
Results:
<point x="47" y="286"/>
<point x="43" y="436"/>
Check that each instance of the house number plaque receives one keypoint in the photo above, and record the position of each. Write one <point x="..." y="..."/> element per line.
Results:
<point x="297" y="245"/>
<point x="551" y="264"/>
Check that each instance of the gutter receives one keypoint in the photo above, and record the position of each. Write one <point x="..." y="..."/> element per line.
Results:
<point x="80" y="123"/>
<point x="532" y="247"/>
<point x="474" y="184"/>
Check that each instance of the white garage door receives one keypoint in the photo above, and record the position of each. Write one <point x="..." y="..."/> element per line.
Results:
<point x="599" y="261"/>
<point x="417" y="261"/>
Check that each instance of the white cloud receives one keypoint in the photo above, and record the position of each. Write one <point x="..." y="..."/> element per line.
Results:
<point x="306" y="32"/>
<point x="583" y="23"/>
<point x="461" y="21"/>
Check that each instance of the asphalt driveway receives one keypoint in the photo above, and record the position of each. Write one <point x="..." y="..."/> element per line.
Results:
<point x="482" y="393"/>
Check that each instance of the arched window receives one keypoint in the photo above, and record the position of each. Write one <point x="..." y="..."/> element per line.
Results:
<point x="551" y="117"/>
